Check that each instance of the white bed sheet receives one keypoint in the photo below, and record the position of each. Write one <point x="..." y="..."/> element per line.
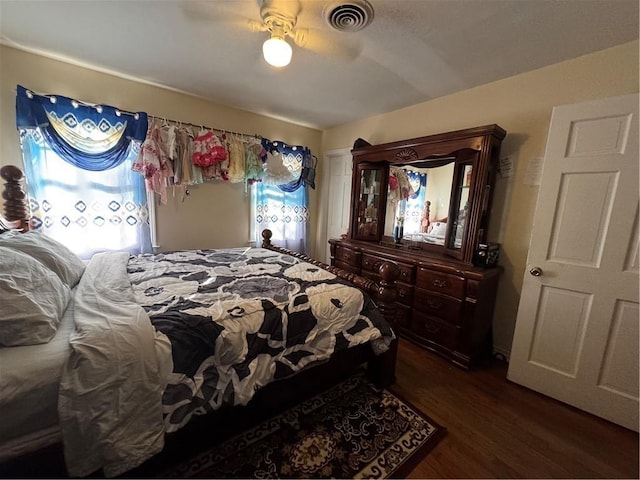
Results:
<point x="425" y="237"/>
<point x="110" y="395"/>
<point x="29" y="379"/>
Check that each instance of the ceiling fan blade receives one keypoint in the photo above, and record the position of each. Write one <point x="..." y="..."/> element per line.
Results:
<point x="337" y="45"/>
<point x="256" y="26"/>
<point x="210" y="12"/>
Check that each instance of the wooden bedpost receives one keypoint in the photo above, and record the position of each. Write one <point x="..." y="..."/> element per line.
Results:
<point x="15" y="199"/>
<point x="426" y="216"/>
<point x="383" y="367"/>
<point x="387" y="292"/>
<point x="266" y="238"/>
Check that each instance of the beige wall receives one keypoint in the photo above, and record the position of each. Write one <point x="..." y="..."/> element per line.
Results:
<point x="215" y="214"/>
<point x="521" y="105"/>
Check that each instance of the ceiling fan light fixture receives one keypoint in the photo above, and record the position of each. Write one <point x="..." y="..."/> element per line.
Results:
<point x="277" y="52"/>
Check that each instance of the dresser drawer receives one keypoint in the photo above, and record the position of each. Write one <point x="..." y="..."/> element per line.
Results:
<point x="403" y="317"/>
<point x="348" y="256"/>
<point x="406" y="273"/>
<point x="370" y="275"/>
<point x="405" y="293"/>
<point x="444" y="283"/>
<point x="346" y="266"/>
<point x="436" y="305"/>
<point x="372" y="264"/>
<point x="434" y="330"/>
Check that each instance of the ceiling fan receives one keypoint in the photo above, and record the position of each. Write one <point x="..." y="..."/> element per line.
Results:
<point x="280" y="19"/>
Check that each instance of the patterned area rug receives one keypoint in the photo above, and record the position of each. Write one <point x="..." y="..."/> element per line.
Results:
<point x="353" y="430"/>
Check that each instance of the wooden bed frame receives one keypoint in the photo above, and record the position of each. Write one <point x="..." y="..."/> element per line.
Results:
<point x="283" y="393"/>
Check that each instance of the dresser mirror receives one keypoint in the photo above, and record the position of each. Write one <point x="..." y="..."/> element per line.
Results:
<point x="418" y="199"/>
<point x="428" y="202"/>
<point x="430" y="194"/>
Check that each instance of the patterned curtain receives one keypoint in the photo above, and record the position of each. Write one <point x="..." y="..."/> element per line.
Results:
<point x="296" y="167"/>
<point x="280" y="201"/>
<point x="77" y="161"/>
<point x="286" y="214"/>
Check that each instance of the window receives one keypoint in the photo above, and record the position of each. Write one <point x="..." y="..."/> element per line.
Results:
<point x="78" y="161"/>
<point x="286" y="214"/>
<point x="279" y="202"/>
<point x="86" y="211"/>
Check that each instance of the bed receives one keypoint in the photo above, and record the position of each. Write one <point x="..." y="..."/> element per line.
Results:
<point x="125" y="350"/>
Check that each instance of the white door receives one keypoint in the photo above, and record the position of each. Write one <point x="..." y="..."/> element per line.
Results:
<point x="576" y="335"/>
<point x="339" y="162"/>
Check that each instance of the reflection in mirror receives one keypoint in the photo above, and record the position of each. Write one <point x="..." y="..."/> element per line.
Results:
<point x="462" y="207"/>
<point x="369" y="202"/>
<point x="418" y="203"/>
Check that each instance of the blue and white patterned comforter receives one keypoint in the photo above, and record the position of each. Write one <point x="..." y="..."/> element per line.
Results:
<point x="238" y="319"/>
<point x="160" y="338"/>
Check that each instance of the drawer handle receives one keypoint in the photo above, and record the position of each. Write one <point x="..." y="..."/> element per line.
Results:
<point x="439" y="283"/>
<point x="402" y="293"/>
<point x="434" y="305"/>
<point x="403" y="273"/>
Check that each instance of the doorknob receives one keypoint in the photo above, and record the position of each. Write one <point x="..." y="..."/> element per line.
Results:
<point x="536" y="271"/>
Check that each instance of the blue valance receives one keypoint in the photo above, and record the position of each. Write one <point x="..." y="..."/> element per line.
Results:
<point x="302" y="156"/>
<point x="417" y="181"/>
<point x="91" y="137"/>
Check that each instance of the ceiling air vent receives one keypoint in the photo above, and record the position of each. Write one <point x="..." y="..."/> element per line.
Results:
<point x="348" y="16"/>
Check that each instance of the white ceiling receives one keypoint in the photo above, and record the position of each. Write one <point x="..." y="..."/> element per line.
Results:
<point x="413" y="51"/>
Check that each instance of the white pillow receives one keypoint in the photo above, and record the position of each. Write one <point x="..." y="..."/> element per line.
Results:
<point x="51" y="253"/>
<point x="32" y="300"/>
<point x="439" y="229"/>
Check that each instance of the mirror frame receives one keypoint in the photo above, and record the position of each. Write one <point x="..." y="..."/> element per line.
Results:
<point x="479" y="147"/>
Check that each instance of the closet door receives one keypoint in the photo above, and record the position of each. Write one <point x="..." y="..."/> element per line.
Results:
<point x="339" y="195"/>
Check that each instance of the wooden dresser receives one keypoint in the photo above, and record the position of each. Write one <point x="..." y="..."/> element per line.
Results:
<point x="400" y="192"/>
<point x="442" y="305"/>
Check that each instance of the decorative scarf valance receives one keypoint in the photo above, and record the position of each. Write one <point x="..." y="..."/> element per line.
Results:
<point x="405" y="184"/>
<point x="417" y="181"/>
<point x="297" y="163"/>
<point x="91" y="137"/>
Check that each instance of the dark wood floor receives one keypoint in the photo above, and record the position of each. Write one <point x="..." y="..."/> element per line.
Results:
<point x="498" y="429"/>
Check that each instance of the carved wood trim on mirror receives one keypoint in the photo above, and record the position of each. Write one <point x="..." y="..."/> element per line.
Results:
<point x="406" y="155"/>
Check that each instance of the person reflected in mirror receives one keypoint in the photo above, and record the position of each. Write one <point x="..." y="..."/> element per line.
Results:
<point x="426" y="213"/>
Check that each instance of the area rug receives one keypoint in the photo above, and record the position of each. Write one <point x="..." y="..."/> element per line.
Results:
<point x="353" y="430"/>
